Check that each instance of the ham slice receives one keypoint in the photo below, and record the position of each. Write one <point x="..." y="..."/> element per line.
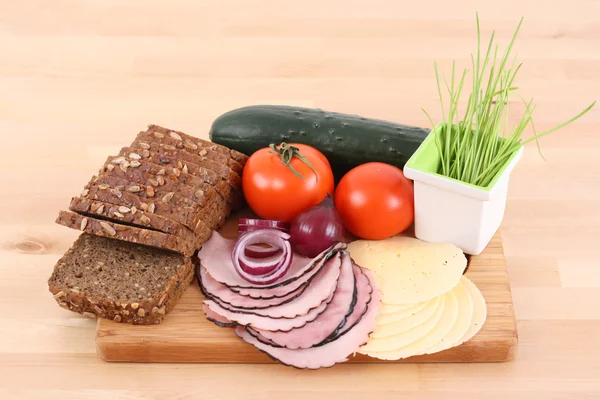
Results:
<point x="216" y="318"/>
<point x="321" y="287"/>
<point x="329" y="354"/>
<point x="222" y="294"/>
<point x="326" y="324"/>
<point x="266" y="323"/>
<point x="215" y="256"/>
<point x="363" y="298"/>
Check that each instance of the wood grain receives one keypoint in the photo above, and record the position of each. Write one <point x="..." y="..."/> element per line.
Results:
<point x="187" y="336"/>
<point x="78" y="78"/>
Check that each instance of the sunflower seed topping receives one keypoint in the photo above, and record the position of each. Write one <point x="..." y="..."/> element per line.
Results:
<point x="167" y="197"/>
<point x="84" y="223"/>
<point x="175" y="135"/>
<point x="190" y="145"/>
<point x="109" y="229"/>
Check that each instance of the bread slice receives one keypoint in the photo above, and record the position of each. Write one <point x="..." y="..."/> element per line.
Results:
<point x="185" y="215"/>
<point x="209" y="209"/>
<point x="148" y="141"/>
<point x="132" y="216"/>
<point x="121" y="281"/>
<point x="200" y="157"/>
<point x="182" y="160"/>
<point x="139" y="170"/>
<point x="159" y="132"/>
<point x="126" y="233"/>
<point x="138" y="182"/>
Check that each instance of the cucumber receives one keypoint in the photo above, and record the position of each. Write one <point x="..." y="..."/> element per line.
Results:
<point x="346" y="140"/>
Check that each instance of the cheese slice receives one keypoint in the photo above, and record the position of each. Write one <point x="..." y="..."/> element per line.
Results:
<point x="462" y="323"/>
<point x="396" y="308"/>
<point x="479" y="311"/>
<point x="405" y="338"/>
<point x="409" y="270"/>
<point x="400" y="325"/>
<point x="441" y="328"/>
<point x="392" y="317"/>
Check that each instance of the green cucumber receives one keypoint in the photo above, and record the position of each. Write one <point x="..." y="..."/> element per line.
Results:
<point x="346" y="140"/>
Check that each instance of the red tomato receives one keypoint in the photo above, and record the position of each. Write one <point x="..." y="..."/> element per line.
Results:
<point x="375" y="201"/>
<point x="273" y="191"/>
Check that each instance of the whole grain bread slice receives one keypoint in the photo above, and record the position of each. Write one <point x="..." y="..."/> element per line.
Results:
<point x="149" y="141"/>
<point x="132" y="216"/>
<point x="120" y="281"/>
<point x="159" y="174"/>
<point x="183" y="160"/>
<point x="183" y="214"/>
<point x="157" y="186"/>
<point x="157" y="131"/>
<point x="128" y="233"/>
<point x="228" y="192"/>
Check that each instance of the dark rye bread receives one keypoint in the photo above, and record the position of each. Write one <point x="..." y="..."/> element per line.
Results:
<point x="157" y="186"/>
<point x="132" y="216"/>
<point x="186" y="216"/>
<point x="182" y="160"/>
<point x="120" y="281"/>
<point x="127" y="233"/>
<point x="157" y="130"/>
<point x="149" y="142"/>
<point x="140" y="170"/>
<point x="200" y="200"/>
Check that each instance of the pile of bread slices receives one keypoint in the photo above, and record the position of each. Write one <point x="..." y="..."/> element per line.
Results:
<point x="142" y="218"/>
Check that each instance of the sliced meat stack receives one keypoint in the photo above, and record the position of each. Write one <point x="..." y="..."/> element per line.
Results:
<point x="318" y="314"/>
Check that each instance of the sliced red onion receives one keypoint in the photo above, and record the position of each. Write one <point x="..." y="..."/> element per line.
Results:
<point x="256" y="251"/>
<point x="268" y="269"/>
<point x="252" y="224"/>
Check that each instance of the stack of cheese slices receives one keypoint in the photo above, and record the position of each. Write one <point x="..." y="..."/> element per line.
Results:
<point x="428" y="305"/>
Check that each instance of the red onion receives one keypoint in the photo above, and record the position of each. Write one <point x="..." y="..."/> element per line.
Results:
<point x="316" y="229"/>
<point x="264" y="270"/>
<point x="256" y="251"/>
<point x="250" y="224"/>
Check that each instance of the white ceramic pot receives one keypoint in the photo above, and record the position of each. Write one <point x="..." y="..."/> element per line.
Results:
<point x="447" y="210"/>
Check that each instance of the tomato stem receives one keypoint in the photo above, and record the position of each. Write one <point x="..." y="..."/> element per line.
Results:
<point x="286" y="153"/>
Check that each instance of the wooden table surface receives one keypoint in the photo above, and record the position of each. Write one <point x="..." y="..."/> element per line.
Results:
<point x="78" y="79"/>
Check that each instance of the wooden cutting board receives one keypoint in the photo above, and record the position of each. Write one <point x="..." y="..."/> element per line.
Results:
<point x="187" y="336"/>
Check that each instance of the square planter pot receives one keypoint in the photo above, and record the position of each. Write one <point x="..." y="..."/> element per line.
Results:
<point x="447" y="210"/>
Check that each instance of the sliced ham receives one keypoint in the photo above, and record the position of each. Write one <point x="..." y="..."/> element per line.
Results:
<point x="326" y="324"/>
<point x="215" y="256"/>
<point x="363" y="298"/>
<point x="321" y="287"/>
<point x="215" y="290"/>
<point x="266" y="323"/>
<point x="327" y="355"/>
<point x="215" y="318"/>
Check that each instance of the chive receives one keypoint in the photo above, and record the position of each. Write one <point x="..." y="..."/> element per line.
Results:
<point x="475" y="148"/>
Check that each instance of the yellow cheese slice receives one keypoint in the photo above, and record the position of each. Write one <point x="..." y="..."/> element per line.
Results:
<point x="400" y="325"/>
<point x="462" y="323"/>
<point x="392" y="317"/>
<point x="443" y="326"/>
<point x="409" y="270"/>
<point x="396" y="308"/>
<point x="405" y="338"/>
<point x="479" y="311"/>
